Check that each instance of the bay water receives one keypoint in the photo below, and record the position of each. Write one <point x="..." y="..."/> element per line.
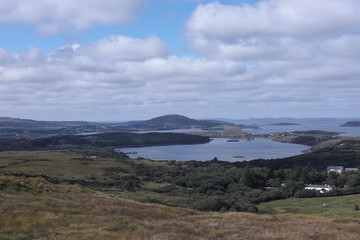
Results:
<point x="244" y="150"/>
<point x="220" y="148"/>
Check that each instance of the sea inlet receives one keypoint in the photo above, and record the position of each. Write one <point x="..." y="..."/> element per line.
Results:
<point x="221" y="148"/>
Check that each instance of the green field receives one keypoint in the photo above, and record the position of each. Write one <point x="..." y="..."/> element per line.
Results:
<point x="339" y="208"/>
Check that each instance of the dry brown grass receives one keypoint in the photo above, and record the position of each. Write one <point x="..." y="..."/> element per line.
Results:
<point x="56" y="164"/>
<point x="71" y="212"/>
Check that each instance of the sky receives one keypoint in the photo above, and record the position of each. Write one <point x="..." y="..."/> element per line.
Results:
<point x="119" y="60"/>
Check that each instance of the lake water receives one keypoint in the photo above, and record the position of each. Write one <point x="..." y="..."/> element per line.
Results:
<point x="344" y="131"/>
<point x="254" y="149"/>
<point x="220" y="148"/>
<point x="327" y="124"/>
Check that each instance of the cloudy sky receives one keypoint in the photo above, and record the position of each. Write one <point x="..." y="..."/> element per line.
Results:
<point x="113" y="60"/>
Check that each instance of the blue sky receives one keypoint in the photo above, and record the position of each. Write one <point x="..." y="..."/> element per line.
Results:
<point x="164" y="18"/>
<point x="122" y="60"/>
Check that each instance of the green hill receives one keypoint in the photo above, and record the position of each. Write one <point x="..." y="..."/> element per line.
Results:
<point x="341" y="151"/>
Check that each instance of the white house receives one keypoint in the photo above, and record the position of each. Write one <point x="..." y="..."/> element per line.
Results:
<point x="321" y="188"/>
<point x="351" y="169"/>
<point x="337" y="169"/>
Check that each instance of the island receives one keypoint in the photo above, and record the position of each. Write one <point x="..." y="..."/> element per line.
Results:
<point x="351" y="124"/>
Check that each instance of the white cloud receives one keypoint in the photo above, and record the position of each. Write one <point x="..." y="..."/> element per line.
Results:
<point x="124" y="48"/>
<point x="293" y="18"/>
<point x="76" y="84"/>
<point x="300" y="54"/>
<point x="346" y="45"/>
<point x="113" y="48"/>
<point x="5" y="57"/>
<point x="68" y="15"/>
<point x="75" y="78"/>
<point x="273" y="29"/>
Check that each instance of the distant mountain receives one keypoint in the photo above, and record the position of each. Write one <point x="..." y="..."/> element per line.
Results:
<point x="284" y="124"/>
<point x="351" y="124"/>
<point x="27" y="123"/>
<point x="174" y="121"/>
<point x="15" y="126"/>
<point x="12" y="126"/>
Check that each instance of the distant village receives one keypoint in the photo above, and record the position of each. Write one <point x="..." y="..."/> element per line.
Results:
<point x="325" y="188"/>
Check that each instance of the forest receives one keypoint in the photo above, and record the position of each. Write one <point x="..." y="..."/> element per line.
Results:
<point x="113" y="139"/>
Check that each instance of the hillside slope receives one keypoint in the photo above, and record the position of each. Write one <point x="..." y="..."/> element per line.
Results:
<point x="36" y="209"/>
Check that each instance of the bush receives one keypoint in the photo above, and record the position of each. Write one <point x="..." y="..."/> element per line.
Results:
<point x="210" y="204"/>
<point x="356" y="207"/>
<point x="307" y="193"/>
<point x="244" y="206"/>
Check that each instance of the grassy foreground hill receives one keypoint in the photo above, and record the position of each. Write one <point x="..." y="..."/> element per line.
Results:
<point x="32" y="208"/>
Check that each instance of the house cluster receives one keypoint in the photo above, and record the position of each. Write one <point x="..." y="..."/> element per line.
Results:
<point x="340" y="169"/>
<point x="320" y="188"/>
<point x="329" y="169"/>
